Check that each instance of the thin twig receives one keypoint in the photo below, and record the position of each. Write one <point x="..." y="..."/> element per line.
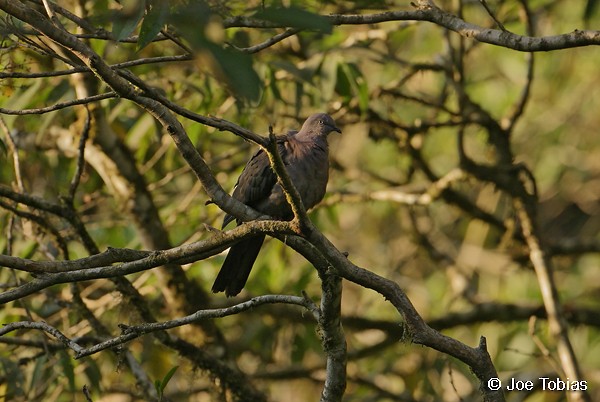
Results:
<point x="135" y="331"/>
<point x="42" y="326"/>
<point x="177" y="41"/>
<point x="51" y="15"/>
<point x="81" y="22"/>
<point x="40" y="220"/>
<point x="519" y="107"/>
<point x="269" y="42"/>
<point x="60" y="105"/>
<point x="86" y="69"/>
<point x="556" y="322"/>
<point x="491" y="14"/>
<point x="15" y="155"/>
<point x="81" y="157"/>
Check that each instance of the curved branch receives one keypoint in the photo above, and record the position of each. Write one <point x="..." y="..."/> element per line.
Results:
<point x="519" y="107"/>
<point x="426" y="11"/>
<point x="61" y="105"/>
<point x="270" y="42"/>
<point x="85" y="69"/>
<point x="320" y="252"/>
<point x="80" y="158"/>
<point x="42" y="326"/>
<point x="135" y="331"/>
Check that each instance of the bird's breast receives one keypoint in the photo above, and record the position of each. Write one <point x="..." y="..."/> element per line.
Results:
<point x="309" y="174"/>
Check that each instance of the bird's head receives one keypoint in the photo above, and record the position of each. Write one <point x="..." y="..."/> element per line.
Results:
<point x="321" y="123"/>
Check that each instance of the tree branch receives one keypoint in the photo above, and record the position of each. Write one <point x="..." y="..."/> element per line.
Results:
<point x="182" y="254"/>
<point x="322" y="253"/>
<point x="60" y="105"/>
<point x="332" y="337"/>
<point x="556" y="322"/>
<point x="432" y="13"/>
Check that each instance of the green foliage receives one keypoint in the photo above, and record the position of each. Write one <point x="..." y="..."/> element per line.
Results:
<point x="157" y="12"/>
<point x="126" y="20"/>
<point x="160" y="385"/>
<point x="351" y="85"/>
<point x="239" y="75"/>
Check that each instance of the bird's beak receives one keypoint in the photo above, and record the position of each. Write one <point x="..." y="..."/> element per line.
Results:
<point x="334" y="128"/>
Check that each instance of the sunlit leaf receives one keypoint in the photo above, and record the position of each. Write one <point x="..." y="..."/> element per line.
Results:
<point x="352" y="84"/>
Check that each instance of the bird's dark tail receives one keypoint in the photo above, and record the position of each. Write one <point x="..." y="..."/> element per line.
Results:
<point x="237" y="266"/>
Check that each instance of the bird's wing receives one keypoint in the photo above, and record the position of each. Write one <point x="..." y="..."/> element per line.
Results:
<point x="257" y="179"/>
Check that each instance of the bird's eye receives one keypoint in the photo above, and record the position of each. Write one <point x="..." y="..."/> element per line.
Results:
<point x="321" y="122"/>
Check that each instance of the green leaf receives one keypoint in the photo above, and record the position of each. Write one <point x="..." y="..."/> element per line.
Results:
<point x="158" y="388"/>
<point x="273" y="84"/>
<point x="39" y="374"/>
<point x="237" y="70"/>
<point x="190" y="19"/>
<point x="67" y="369"/>
<point x="167" y="378"/>
<point x="161" y="385"/>
<point x="128" y="18"/>
<point x="352" y="84"/>
<point x="157" y="12"/>
<point x="295" y="17"/>
<point x="93" y="374"/>
<point x="229" y="65"/>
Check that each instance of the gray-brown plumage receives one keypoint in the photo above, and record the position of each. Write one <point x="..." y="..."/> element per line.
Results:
<point x="306" y="156"/>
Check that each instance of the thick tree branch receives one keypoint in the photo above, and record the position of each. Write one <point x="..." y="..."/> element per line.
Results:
<point x="182" y="254"/>
<point x="332" y="337"/>
<point x="322" y="253"/>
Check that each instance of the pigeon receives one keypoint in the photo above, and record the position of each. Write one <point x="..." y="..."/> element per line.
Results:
<point x="305" y="154"/>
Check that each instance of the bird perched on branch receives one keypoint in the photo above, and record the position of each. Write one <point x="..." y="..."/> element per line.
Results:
<point x="305" y="154"/>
